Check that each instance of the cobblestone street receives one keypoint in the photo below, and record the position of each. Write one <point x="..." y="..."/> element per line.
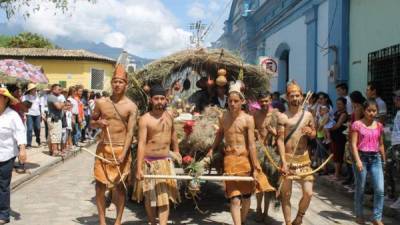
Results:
<point x="65" y="195"/>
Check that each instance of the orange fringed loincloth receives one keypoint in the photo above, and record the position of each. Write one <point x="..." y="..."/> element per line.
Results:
<point x="158" y="191"/>
<point x="240" y="166"/>
<point x="108" y="173"/>
<point x="299" y="164"/>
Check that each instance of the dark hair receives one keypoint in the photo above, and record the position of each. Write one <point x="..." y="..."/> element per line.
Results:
<point x="105" y="94"/>
<point x="67" y="101"/>
<point x="263" y="94"/>
<point x="374" y="86"/>
<point x="325" y="95"/>
<point x="342" y="99"/>
<point x="97" y="95"/>
<point x="369" y="103"/>
<point x="357" y="97"/>
<point x="314" y="96"/>
<point x="85" y="94"/>
<point x="71" y="90"/>
<point x="276" y="94"/>
<point x="13" y="87"/>
<point x="54" y="86"/>
<point x="343" y="86"/>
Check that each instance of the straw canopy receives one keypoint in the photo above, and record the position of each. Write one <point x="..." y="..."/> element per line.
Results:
<point x="203" y="62"/>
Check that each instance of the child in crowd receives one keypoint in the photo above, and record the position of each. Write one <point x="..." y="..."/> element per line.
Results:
<point x="67" y="123"/>
<point x="325" y="122"/>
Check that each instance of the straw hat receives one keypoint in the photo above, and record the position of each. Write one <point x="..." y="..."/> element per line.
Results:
<point x="31" y="86"/>
<point x="6" y="93"/>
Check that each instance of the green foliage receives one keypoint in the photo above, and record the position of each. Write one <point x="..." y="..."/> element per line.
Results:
<point x="29" y="40"/>
<point x="11" y="7"/>
<point x="4" y="41"/>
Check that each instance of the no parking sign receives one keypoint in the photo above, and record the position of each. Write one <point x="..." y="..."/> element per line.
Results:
<point x="269" y="65"/>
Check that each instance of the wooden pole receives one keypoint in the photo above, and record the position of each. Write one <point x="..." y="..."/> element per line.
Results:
<point x="210" y="178"/>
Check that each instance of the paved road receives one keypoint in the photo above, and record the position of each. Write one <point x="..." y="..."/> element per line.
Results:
<point x="65" y="196"/>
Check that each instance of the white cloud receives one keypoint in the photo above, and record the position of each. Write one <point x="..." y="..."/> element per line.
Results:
<point x="197" y="11"/>
<point x="144" y="28"/>
<point x="115" y="39"/>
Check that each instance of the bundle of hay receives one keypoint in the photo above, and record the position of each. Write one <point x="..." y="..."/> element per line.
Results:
<point x="203" y="134"/>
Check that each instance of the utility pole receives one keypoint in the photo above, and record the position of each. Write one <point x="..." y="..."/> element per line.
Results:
<point x="197" y="33"/>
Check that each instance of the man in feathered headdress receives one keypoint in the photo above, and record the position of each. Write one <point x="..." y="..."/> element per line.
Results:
<point x="240" y="157"/>
<point x="116" y="116"/>
<point x="295" y="128"/>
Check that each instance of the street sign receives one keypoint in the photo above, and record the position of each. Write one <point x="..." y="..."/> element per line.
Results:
<point x="269" y="65"/>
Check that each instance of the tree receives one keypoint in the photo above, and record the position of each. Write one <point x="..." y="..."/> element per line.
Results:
<point x="4" y="41"/>
<point x="11" y="7"/>
<point x="29" y="40"/>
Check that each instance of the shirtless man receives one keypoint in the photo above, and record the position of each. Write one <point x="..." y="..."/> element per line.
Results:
<point x="156" y="136"/>
<point x="293" y="149"/>
<point x="116" y="115"/>
<point x="265" y="121"/>
<point x="240" y="158"/>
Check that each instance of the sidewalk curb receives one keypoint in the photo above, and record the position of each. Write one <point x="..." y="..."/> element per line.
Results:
<point x="324" y="181"/>
<point x="46" y="167"/>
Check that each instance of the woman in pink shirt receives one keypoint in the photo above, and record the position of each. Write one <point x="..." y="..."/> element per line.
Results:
<point x="368" y="152"/>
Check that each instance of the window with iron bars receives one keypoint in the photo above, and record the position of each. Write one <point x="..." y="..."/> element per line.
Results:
<point x="384" y="69"/>
<point x="97" y="79"/>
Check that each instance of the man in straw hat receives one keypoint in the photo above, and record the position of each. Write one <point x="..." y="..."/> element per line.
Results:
<point x="116" y="116"/>
<point x="34" y="115"/>
<point x="240" y="157"/>
<point x="12" y="144"/>
<point x="156" y="135"/>
<point x="295" y="128"/>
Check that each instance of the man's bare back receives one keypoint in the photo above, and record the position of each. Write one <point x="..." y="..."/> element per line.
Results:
<point x="159" y="134"/>
<point x="104" y="109"/>
<point x="289" y="121"/>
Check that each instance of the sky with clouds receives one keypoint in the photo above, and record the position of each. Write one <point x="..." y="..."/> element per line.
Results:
<point x="147" y="28"/>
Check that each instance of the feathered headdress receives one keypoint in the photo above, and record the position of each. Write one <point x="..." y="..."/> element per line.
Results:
<point x="120" y="72"/>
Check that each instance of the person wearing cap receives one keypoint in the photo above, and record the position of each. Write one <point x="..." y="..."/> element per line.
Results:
<point x="156" y="136"/>
<point x="12" y="144"/>
<point x="266" y="120"/>
<point x="236" y="127"/>
<point x="33" y="116"/>
<point x="116" y="116"/>
<point x="395" y="139"/>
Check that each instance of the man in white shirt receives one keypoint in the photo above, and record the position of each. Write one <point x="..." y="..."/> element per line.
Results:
<point x="373" y="93"/>
<point x="342" y="90"/>
<point x="34" y="115"/>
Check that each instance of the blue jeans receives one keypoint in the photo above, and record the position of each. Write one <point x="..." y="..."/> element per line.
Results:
<point x="76" y="133"/>
<point x="32" y="123"/>
<point x="372" y="164"/>
<point x="5" y="180"/>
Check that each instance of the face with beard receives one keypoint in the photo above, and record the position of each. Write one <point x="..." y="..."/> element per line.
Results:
<point x="295" y="98"/>
<point x="158" y="102"/>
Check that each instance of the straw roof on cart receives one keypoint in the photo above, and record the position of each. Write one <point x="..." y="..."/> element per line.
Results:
<point x="202" y="61"/>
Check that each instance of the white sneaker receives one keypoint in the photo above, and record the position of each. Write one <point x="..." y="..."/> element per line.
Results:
<point x="396" y="204"/>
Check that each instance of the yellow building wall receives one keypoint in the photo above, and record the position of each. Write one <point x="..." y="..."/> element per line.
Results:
<point x="73" y="72"/>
